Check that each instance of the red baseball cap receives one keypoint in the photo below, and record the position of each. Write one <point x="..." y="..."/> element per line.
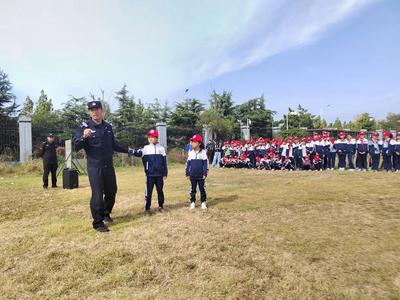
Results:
<point x="386" y="134"/>
<point x="197" y="138"/>
<point x="152" y="132"/>
<point x="342" y="133"/>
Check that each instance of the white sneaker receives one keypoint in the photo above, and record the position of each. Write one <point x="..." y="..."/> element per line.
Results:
<point x="192" y="205"/>
<point x="203" y="205"/>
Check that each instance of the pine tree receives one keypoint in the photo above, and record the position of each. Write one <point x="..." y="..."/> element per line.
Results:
<point x="27" y="109"/>
<point x="44" y="105"/>
<point x="221" y="103"/>
<point x="8" y="105"/>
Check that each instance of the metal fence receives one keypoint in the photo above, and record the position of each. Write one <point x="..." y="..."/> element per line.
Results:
<point x="9" y="137"/>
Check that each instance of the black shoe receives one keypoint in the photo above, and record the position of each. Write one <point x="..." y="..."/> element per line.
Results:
<point x="161" y="209"/>
<point x="45" y="187"/>
<point x="54" y="186"/>
<point x="102" y="228"/>
<point x="108" y="219"/>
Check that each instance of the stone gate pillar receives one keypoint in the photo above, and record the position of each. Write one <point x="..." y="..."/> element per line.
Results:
<point x="162" y="134"/>
<point x="25" y="138"/>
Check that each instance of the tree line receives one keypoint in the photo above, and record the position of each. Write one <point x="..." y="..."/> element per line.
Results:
<point x="133" y="117"/>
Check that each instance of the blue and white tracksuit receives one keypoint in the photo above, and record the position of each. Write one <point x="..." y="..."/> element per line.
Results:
<point x="362" y="152"/>
<point x="297" y="153"/>
<point x="351" y="150"/>
<point x="332" y="156"/>
<point x="375" y="148"/>
<point x="155" y="166"/>
<point x="387" y="153"/>
<point x="341" y="148"/>
<point x="197" y="170"/>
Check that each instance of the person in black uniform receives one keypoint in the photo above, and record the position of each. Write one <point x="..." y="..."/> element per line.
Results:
<point x="49" y="155"/>
<point x="97" y="138"/>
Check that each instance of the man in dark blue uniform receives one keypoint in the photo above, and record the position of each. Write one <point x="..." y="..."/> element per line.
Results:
<point x="97" y="138"/>
<point x="50" y="165"/>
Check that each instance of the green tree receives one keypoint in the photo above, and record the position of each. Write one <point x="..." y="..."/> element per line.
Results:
<point x="43" y="105"/>
<point x="337" y="124"/>
<point x="319" y="123"/>
<point x="27" y="109"/>
<point x="45" y="119"/>
<point x="254" y="110"/>
<point x="298" y="119"/>
<point x="132" y="119"/>
<point x="364" y="121"/>
<point x="223" y="128"/>
<point x="74" y="112"/>
<point x="158" y="112"/>
<point x="392" y="122"/>
<point x="187" y="113"/>
<point x="8" y="104"/>
<point x="222" y="103"/>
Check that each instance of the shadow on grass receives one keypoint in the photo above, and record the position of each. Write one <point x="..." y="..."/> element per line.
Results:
<point x="226" y="199"/>
<point x="168" y="208"/>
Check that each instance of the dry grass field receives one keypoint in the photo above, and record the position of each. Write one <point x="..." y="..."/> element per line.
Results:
<point x="266" y="235"/>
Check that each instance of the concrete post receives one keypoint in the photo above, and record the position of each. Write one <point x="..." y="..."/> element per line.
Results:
<point x="25" y="138"/>
<point x="68" y="154"/>
<point x="207" y="134"/>
<point x="245" y="132"/>
<point x="162" y="134"/>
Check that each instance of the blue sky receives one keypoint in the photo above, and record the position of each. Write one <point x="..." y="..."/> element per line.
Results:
<point x="342" y="53"/>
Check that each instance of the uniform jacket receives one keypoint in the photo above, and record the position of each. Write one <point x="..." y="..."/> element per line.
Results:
<point x="362" y="145"/>
<point x="197" y="164"/>
<point x="99" y="146"/>
<point x="48" y="152"/>
<point x="154" y="160"/>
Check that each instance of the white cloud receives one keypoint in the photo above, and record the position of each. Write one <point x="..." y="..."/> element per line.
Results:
<point x="156" y="47"/>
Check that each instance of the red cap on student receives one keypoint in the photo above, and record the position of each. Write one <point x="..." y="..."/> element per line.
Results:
<point x="152" y="132"/>
<point x="362" y="133"/>
<point x="386" y="134"/>
<point x="342" y="134"/>
<point x="197" y="138"/>
<point x="374" y="134"/>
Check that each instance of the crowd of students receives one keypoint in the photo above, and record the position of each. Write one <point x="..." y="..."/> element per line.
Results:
<point x="318" y="152"/>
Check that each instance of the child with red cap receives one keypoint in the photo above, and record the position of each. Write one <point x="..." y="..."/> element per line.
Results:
<point x="332" y="154"/>
<point x="288" y="164"/>
<point x="374" y="149"/>
<point x="362" y="151"/>
<point x="351" y="151"/>
<point x="387" y="151"/>
<point x="306" y="163"/>
<point x="341" y="146"/>
<point x="317" y="162"/>
<point x="155" y="166"/>
<point x="197" y="170"/>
